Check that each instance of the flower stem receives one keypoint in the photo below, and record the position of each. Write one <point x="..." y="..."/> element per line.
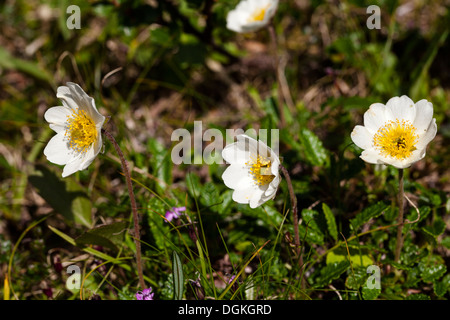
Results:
<point x="137" y="238"/>
<point x="400" y="216"/>
<point x="296" y="225"/>
<point x="273" y="37"/>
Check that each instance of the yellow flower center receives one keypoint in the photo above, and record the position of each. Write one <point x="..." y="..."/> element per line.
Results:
<point x="81" y="131"/>
<point x="258" y="14"/>
<point x="396" y="139"/>
<point x="260" y="170"/>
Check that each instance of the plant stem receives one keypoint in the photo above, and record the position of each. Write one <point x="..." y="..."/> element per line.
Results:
<point x="137" y="238"/>
<point x="273" y="37"/>
<point x="296" y="225"/>
<point x="400" y="216"/>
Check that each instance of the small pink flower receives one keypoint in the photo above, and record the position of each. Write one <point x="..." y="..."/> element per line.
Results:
<point x="175" y="213"/>
<point x="145" y="294"/>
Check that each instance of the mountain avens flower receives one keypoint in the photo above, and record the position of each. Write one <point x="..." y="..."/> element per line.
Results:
<point x="397" y="133"/>
<point x="251" y="15"/>
<point x="78" y="125"/>
<point x="253" y="172"/>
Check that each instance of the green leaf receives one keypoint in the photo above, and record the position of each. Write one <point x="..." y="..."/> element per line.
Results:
<point x="31" y="68"/>
<point x="161" y="163"/>
<point x="331" y="272"/>
<point x="310" y="227"/>
<point x="436" y="229"/>
<point x="418" y="296"/>
<point x="356" y="278"/>
<point x="210" y="196"/>
<point x="65" y="196"/>
<point x="441" y="287"/>
<point x="370" y="294"/>
<point x="371" y="212"/>
<point x="430" y="273"/>
<point x="359" y="258"/>
<point x="193" y="185"/>
<point x="178" y="277"/>
<point x="315" y="153"/>
<point x="109" y="236"/>
<point x="331" y="221"/>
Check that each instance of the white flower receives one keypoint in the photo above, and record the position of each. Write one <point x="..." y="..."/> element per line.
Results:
<point x="253" y="172"/>
<point x="251" y="15"/>
<point x="78" y="125"/>
<point x="397" y="133"/>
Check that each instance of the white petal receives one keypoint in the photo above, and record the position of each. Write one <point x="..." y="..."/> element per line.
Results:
<point x="92" y="153"/>
<point x="272" y="188"/>
<point x="86" y="103"/>
<point x="375" y="117"/>
<point x="362" y="137"/>
<point x="244" y="193"/>
<point x="57" y="117"/>
<point x="424" y="116"/>
<point x="256" y="199"/>
<point x="73" y="166"/>
<point x="402" y="108"/>
<point x="66" y="96"/>
<point x="371" y="155"/>
<point x="57" y="150"/>
<point x="234" y="174"/>
<point x="235" y="153"/>
<point x="427" y="136"/>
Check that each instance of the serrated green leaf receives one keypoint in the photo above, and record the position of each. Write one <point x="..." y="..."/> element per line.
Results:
<point x="178" y="277"/>
<point x="418" y="296"/>
<point x="314" y="150"/>
<point x="370" y="294"/>
<point x="441" y="287"/>
<point x="369" y="213"/>
<point x="331" y="221"/>
<point x="356" y="278"/>
<point x="433" y="272"/>
<point x="210" y="196"/>
<point x="331" y="272"/>
<point x="436" y="229"/>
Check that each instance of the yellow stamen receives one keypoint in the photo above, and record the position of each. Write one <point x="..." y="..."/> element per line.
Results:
<point x="396" y="139"/>
<point x="81" y="131"/>
<point x="260" y="170"/>
<point x="258" y="14"/>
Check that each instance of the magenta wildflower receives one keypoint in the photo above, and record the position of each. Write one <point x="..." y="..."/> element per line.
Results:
<point x="145" y="294"/>
<point x="175" y="213"/>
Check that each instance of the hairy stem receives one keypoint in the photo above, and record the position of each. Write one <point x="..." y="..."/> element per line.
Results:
<point x="137" y="238"/>
<point x="296" y="225"/>
<point x="273" y="37"/>
<point x="401" y="192"/>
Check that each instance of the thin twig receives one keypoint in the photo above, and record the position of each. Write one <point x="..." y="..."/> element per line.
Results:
<point x="137" y="238"/>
